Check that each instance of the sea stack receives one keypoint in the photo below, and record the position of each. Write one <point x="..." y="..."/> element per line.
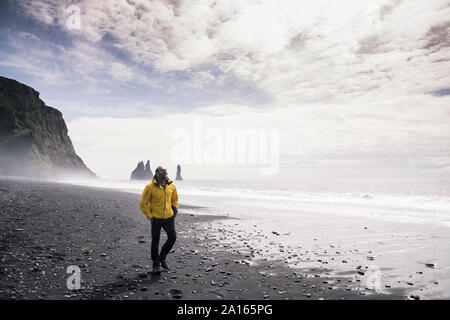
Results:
<point x="34" y="140"/>
<point x="142" y="172"/>
<point x="179" y="173"/>
<point x="148" y="170"/>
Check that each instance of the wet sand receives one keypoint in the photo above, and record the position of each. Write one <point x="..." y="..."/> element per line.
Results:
<point x="46" y="227"/>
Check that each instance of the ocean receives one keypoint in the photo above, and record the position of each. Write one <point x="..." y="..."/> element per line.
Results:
<point x="408" y="200"/>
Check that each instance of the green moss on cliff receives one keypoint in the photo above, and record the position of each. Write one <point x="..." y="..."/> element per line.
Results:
<point x="17" y="133"/>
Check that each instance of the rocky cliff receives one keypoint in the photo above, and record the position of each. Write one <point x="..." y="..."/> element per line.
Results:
<point x="34" y="141"/>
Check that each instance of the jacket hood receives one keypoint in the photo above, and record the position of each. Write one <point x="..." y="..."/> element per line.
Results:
<point x="156" y="183"/>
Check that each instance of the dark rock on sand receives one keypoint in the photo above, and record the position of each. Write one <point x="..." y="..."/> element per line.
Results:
<point x="176" y="293"/>
<point x="34" y="140"/>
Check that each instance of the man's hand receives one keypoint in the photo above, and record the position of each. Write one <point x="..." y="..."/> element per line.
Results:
<point x="175" y="211"/>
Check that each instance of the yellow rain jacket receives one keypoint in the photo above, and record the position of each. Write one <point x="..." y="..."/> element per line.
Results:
<point x="157" y="202"/>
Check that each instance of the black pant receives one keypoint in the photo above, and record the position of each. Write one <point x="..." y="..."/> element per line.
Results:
<point x="169" y="227"/>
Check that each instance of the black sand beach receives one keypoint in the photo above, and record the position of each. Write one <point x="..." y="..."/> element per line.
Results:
<point x="46" y="227"/>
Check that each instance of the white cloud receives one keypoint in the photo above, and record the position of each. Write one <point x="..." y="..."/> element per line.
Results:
<point x="296" y="51"/>
<point x="120" y="72"/>
<point x="83" y="62"/>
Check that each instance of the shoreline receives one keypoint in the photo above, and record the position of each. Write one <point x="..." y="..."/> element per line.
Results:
<point x="46" y="227"/>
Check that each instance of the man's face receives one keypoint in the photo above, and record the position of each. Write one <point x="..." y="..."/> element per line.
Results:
<point x="162" y="173"/>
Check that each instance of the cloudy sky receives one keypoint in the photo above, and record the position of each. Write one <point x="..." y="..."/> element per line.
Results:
<point x="354" y="88"/>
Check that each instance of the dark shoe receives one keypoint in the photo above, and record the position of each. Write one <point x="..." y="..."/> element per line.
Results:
<point x="156" y="269"/>
<point x="164" y="264"/>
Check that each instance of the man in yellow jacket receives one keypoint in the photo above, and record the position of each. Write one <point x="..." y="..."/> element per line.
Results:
<point x="159" y="203"/>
